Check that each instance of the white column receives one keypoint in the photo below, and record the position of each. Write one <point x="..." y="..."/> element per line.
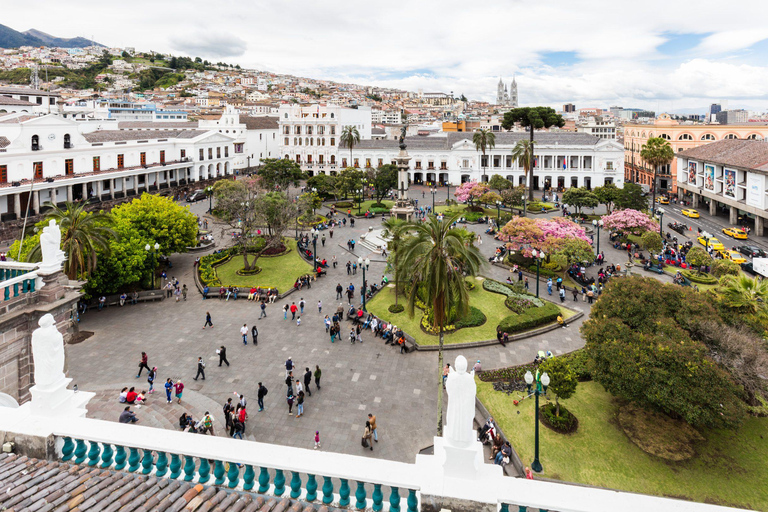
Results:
<point x="112" y="188"/>
<point x="136" y="184"/>
<point x="99" y="189"/>
<point x="69" y="193"/>
<point x="17" y="205"/>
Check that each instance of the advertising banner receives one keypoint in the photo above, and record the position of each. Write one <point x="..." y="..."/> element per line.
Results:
<point x="709" y="177"/>
<point x="692" y="167"/>
<point x="730" y="183"/>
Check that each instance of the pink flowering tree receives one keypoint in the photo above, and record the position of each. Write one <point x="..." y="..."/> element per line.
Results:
<point x="629" y="221"/>
<point x="470" y="191"/>
<point x="553" y="236"/>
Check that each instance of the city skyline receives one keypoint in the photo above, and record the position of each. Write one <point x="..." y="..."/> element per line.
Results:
<point x="673" y="57"/>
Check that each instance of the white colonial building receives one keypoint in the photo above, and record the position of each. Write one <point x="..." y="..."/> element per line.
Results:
<point x="49" y="158"/>
<point x="309" y="135"/>
<point x="563" y="160"/>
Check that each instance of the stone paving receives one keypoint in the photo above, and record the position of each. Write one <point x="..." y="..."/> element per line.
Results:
<point x="357" y="379"/>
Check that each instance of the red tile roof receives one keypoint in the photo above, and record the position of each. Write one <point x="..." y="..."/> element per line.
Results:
<point x="749" y="154"/>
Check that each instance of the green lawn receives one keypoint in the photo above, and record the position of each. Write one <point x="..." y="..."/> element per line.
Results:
<point x="491" y="304"/>
<point x="365" y="205"/>
<point x="729" y="468"/>
<point x="281" y="271"/>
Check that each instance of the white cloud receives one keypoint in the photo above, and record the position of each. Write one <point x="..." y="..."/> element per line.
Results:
<point x="449" y="45"/>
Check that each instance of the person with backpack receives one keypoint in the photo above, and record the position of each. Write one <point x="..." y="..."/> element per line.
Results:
<point x="151" y="379"/>
<point x="261" y="393"/>
<point x="207" y="424"/>
<point x="307" y="380"/>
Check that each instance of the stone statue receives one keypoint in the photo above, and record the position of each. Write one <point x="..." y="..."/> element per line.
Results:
<point x="48" y="354"/>
<point x="50" y="246"/>
<point x="461" y="389"/>
<point x="402" y="137"/>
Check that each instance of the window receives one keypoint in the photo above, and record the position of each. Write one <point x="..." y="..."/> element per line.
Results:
<point x="343" y="162"/>
<point x="143" y="159"/>
<point x="239" y="147"/>
<point x="418" y="164"/>
<point x="210" y="153"/>
<point x="484" y="161"/>
<point x="731" y="136"/>
<point x="35" y="143"/>
<point x="356" y="163"/>
<point x="4" y="173"/>
<point x="183" y="153"/>
<point x="665" y="136"/>
<point x="300" y="140"/>
<point x="333" y="129"/>
<point x="333" y="141"/>
<point x="381" y="162"/>
<point x="430" y="164"/>
<point x="69" y="167"/>
<point x="286" y="130"/>
<point x="226" y="151"/>
<point x="508" y="162"/>
<point x="202" y="154"/>
<point x="298" y="159"/>
<point x="333" y="159"/>
<point x="309" y="130"/>
<point x="162" y="156"/>
<point x="309" y="159"/>
<point x="120" y="161"/>
<point x="286" y="142"/>
<point x="320" y="130"/>
<point x="443" y="165"/>
<point x="465" y="163"/>
<point x="608" y="166"/>
<point x="297" y="130"/>
<point x="367" y="162"/>
<point x="67" y="141"/>
<point x="754" y="136"/>
<point x="685" y="136"/>
<point x="218" y="152"/>
<point x="38" y="167"/>
<point x="320" y="159"/>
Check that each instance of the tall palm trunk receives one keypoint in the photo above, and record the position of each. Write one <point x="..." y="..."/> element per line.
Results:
<point x="440" y="384"/>
<point x="397" y="287"/>
<point x="531" y="164"/>
<point x="653" y="200"/>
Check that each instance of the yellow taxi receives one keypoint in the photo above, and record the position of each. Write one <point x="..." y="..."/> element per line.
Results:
<point x="733" y="256"/>
<point x="662" y="200"/>
<point x="714" y="243"/>
<point x="690" y="213"/>
<point x="735" y="233"/>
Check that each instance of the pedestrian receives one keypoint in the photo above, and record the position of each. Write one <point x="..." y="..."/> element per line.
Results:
<point x="301" y="306"/>
<point x="317" y="439"/>
<point x="143" y="364"/>
<point x="372" y="422"/>
<point x="320" y="307"/>
<point x="549" y="286"/>
<point x="562" y="294"/>
<point x="299" y="387"/>
<point x="322" y="240"/>
<point x="293" y="310"/>
<point x="102" y="301"/>
<point x="184" y="292"/>
<point x="207" y="424"/>
<point x="168" y="389"/>
<point x="288" y="366"/>
<point x="208" y="320"/>
<point x="179" y="389"/>
<point x="308" y="380"/>
<point x="255" y="334"/>
<point x="446" y="371"/>
<point x="367" y="434"/>
<point x="339" y="289"/>
<point x="222" y="352"/>
<point x="526" y="282"/>
<point x="177" y="294"/>
<point x="260" y="394"/>
<point x="285" y="311"/>
<point x="300" y="404"/>
<point x="289" y="399"/>
<point x="298" y="321"/>
<point x="575" y="294"/>
<point x="228" y="410"/>
<point x="123" y="296"/>
<point x="151" y="379"/>
<point x="334" y="261"/>
<point x="263" y="308"/>
<point x="200" y="368"/>
<point x="318" y="374"/>
<point x="349" y="267"/>
<point x="238" y="427"/>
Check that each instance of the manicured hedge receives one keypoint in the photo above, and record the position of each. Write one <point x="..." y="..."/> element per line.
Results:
<point x="377" y="209"/>
<point x="396" y="308"/>
<point x="474" y="318"/>
<point x="511" y="373"/>
<point x="206" y="271"/>
<point x="343" y="204"/>
<point x="566" y="423"/>
<point x="530" y="318"/>
<point x="696" y="277"/>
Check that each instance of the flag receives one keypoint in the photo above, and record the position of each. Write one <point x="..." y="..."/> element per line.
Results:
<point x="564" y="164"/>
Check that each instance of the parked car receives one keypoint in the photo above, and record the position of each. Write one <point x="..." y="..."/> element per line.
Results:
<point x="693" y="214"/>
<point x="678" y="226"/>
<point x="752" y="251"/>
<point x="747" y="267"/>
<point x="662" y="200"/>
<point x="735" y="233"/>
<point x="197" y="195"/>
<point x="733" y="256"/>
<point x="714" y="243"/>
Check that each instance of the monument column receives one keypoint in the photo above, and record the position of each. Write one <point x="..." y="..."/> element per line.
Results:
<point x="404" y="207"/>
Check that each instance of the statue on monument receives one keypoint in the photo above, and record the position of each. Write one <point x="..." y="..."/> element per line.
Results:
<point x="402" y="137"/>
<point x="50" y="246"/>
<point x="48" y="353"/>
<point x="461" y="389"/>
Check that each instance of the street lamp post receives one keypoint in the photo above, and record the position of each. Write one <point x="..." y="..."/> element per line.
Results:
<point x="598" y="224"/>
<point x="542" y="381"/>
<point x="314" y="249"/>
<point x="661" y="220"/>
<point x="447" y="192"/>
<point x="434" y="191"/>
<point x="363" y="264"/>
<point x="498" y="213"/>
<point x="314" y="191"/>
<point x="209" y="191"/>
<point x="538" y="256"/>
<point x="153" y="253"/>
<point x="360" y="202"/>
<point x="525" y="204"/>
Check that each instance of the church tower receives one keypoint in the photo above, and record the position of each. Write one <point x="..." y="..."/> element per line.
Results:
<point x="513" y="93"/>
<point x="500" y="92"/>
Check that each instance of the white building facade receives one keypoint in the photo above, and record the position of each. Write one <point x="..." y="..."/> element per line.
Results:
<point x="563" y="160"/>
<point x="49" y="158"/>
<point x="310" y="134"/>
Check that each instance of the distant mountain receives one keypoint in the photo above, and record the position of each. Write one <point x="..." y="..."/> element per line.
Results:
<point x="10" y="38"/>
<point x="49" y="40"/>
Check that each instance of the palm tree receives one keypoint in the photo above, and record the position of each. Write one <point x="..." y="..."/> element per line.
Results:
<point x="484" y="139"/>
<point x="395" y="230"/>
<point x="745" y="293"/>
<point x="84" y="235"/>
<point x="657" y="152"/>
<point x="437" y="258"/>
<point x="523" y="152"/>
<point x="349" y="138"/>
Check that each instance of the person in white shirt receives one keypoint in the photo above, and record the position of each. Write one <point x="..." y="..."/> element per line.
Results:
<point x="244" y="332"/>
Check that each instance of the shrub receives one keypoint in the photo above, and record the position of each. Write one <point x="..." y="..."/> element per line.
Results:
<point x="377" y="209"/>
<point x="553" y="266"/>
<point x="510" y="291"/>
<point x="343" y="204"/>
<point x="380" y="205"/>
<point x="396" y="308"/>
<point x="205" y="270"/>
<point x="474" y="216"/>
<point x="696" y="277"/>
<point x="511" y="373"/>
<point x="579" y="362"/>
<point x="542" y="271"/>
<point x="251" y="272"/>
<point x="474" y="318"/>
<point x="722" y="268"/>
<point x="566" y="423"/>
<point x="530" y="318"/>
<point x="518" y="304"/>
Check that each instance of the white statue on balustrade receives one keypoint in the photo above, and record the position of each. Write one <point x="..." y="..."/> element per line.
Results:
<point x="50" y="246"/>
<point x="461" y="389"/>
<point x="48" y="354"/>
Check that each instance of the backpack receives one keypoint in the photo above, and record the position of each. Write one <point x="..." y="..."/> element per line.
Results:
<point x="265" y="390"/>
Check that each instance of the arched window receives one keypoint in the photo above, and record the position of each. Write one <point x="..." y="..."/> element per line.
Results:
<point x="707" y="136"/>
<point x="643" y="135"/>
<point x="35" y="143"/>
<point x="67" y="141"/>
<point x="665" y="136"/>
<point x="731" y="136"/>
<point x="333" y="159"/>
<point x="685" y="136"/>
<point x="754" y="136"/>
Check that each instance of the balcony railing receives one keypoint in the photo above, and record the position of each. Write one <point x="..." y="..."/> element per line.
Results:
<point x="18" y="278"/>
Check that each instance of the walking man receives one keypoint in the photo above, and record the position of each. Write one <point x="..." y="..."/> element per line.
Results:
<point x="301" y="306"/>
<point x="372" y="421"/>
<point x="244" y="333"/>
<point x="289" y="366"/>
<point x="293" y="310"/>
<point x="339" y="289"/>
<point x="262" y="392"/>
<point x="222" y="355"/>
<point x="143" y="364"/>
<point x="200" y="368"/>
<point x="318" y="374"/>
<point x="307" y="380"/>
<point x="255" y="334"/>
<point x="208" y="320"/>
<point x="320" y="307"/>
<point x="263" y="310"/>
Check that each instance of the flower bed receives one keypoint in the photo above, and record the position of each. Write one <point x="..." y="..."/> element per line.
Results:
<point x="251" y="272"/>
<point x="530" y="318"/>
<point x="511" y="373"/>
<point x="396" y="308"/>
<point x="206" y="271"/>
<point x="343" y="204"/>
<point x="696" y="277"/>
<point x="566" y="423"/>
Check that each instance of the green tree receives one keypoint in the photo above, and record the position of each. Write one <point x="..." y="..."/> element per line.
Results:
<point x="308" y="203"/>
<point x="651" y="242"/>
<point x="395" y="230"/>
<point x="438" y="258"/>
<point x="580" y="198"/>
<point x="574" y="250"/>
<point x="235" y="205"/>
<point x="83" y="236"/>
<point x="513" y="196"/>
<point x="279" y="174"/>
<point x="657" y="152"/>
<point x="607" y="194"/>
<point x="383" y="180"/>
<point x="463" y="98"/>
<point x="158" y="219"/>
<point x="484" y="139"/>
<point x="532" y="118"/>
<point x="722" y="268"/>
<point x="639" y="339"/>
<point x="562" y="379"/>
<point x="323" y="183"/>
<point x="523" y="153"/>
<point x="631" y="196"/>
<point x="348" y="180"/>
<point x="745" y="293"/>
<point x="499" y="183"/>
<point x="350" y="137"/>
<point x="125" y="266"/>
<point x="697" y="257"/>
<point x="490" y="198"/>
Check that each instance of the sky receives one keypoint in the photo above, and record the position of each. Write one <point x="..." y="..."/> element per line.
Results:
<point x="670" y="55"/>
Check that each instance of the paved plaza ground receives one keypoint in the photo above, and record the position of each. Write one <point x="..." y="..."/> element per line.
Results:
<point x="357" y="379"/>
